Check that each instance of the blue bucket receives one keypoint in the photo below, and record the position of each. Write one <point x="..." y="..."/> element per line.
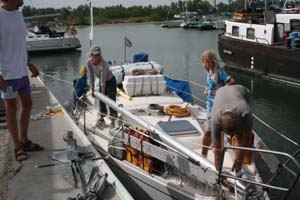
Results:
<point x="293" y="36"/>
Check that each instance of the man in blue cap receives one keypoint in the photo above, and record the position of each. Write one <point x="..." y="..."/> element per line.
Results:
<point x="98" y="67"/>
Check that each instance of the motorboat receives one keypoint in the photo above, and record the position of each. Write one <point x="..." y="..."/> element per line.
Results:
<point x="42" y="38"/>
<point x="266" y="43"/>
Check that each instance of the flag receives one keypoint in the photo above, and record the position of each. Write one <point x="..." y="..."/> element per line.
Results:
<point x="127" y="42"/>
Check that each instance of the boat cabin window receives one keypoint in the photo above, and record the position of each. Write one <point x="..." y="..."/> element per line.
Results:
<point x="251" y="33"/>
<point x="235" y="31"/>
<point x="295" y="25"/>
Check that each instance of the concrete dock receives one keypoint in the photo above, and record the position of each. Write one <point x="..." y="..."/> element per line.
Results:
<point x="23" y="179"/>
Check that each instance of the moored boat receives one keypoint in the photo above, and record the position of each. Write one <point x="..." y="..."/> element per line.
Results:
<point x="155" y="145"/>
<point x="206" y="25"/>
<point x="172" y="23"/>
<point x="269" y="45"/>
<point x="43" y="38"/>
<point x="49" y="41"/>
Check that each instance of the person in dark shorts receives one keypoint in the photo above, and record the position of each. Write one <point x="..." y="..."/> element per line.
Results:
<point x="14" y="80"/>
<point x="231" y="113"/>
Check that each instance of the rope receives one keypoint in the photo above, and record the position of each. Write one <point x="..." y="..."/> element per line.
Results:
<point x="70" y="83"/>
<point x="273" y="129"/>
<point x="58" y="79"/>
<point x="177" y="111"/>
<point x="196" y="97"/>
<point x="197" y="84"/>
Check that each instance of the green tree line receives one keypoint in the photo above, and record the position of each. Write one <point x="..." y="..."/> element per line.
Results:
<point x="119" y="13"/>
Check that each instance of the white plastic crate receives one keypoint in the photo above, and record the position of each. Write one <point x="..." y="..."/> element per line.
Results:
<point x="144" y="85"/>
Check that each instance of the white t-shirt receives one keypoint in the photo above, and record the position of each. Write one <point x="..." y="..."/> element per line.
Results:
<point x="13" y="48"/>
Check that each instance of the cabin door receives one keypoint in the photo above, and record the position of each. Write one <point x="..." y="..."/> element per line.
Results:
<point x="278" y="33"/>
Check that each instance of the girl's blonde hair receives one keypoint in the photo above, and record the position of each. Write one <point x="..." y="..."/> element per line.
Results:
<point x="209" y="55"/>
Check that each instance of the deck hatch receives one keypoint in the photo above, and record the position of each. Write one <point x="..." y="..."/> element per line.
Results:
<point x="178" y="127"/>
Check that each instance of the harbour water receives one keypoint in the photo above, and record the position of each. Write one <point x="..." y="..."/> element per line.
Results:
<point x="178" y="51"/>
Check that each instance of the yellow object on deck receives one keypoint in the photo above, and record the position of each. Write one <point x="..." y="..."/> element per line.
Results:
<point x="82" y="70"/>
<point x="122" y="94"/>
<point x="248" y="156"/>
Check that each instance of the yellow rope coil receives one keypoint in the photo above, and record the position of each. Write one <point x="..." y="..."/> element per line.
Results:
<point x="177" y="111"/>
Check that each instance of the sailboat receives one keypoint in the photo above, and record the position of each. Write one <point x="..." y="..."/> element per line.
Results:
<point x="154" y="144"/>
<point x="175" y="23"/>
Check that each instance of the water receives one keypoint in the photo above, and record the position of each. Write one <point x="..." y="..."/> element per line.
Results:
<point x="179" y="52"/>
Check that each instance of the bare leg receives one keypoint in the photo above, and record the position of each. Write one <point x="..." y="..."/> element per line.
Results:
<point x="217" y="152"/>
<point x="12" y="124"/>
<point x="206" y="141"/>
<point x="24" y="115"/>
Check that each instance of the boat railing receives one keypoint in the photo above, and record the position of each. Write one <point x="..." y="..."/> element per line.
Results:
<point x="245" y="38"/>
<point x="267" y="185"/>
<point x="204" y="102"/>
<point x="281" y="165"/>
<point x="256" y="117"/>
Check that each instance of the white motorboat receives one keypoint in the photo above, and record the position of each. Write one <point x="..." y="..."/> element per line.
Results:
<point x="51" y="40"/>
<point x="44" y="38"/>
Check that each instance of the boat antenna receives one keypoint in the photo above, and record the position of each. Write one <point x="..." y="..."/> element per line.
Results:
<point x="169" y="10"/>
<point x="91" y="36"/>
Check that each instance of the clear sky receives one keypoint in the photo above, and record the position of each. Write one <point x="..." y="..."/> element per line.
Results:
<point x="96" y="3"/>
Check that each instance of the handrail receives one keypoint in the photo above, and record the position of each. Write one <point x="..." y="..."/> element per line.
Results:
<point x="287" y="190"/>
<point x="190" y="155"/>
<point x="280" y="134"/>
<point x="196" y="97"/>
<point x="243" y="37"/>
<point x="260" y="120"/>
<point x="291" y="158"/>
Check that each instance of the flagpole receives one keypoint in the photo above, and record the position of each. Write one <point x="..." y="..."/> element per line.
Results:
<point x="124" y="51"/>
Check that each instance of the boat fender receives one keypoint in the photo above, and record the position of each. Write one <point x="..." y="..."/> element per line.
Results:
<point x="248" y="156"/>
<point x="116" y="146"/>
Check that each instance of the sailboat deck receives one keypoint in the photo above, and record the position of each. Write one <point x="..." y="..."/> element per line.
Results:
<point x="139" y="107"/>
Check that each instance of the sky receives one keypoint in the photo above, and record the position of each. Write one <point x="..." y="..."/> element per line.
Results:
<point x="96" y="3"/>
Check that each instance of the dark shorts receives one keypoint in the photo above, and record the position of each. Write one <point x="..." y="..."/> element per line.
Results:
<point x="13" y="87"/>
<point x="246" y="126"/>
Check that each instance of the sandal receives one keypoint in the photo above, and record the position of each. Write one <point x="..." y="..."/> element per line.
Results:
<point x="30" y="146"/>
<point x="20" y="154"/>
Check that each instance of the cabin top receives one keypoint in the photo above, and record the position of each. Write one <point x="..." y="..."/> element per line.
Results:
<point x="272" y="29"/>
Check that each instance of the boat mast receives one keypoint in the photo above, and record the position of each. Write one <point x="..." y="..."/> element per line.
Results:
<point x="91" y="36"/>
<point x="186" y="15"/>
<point x="169" y="10"/>
<point x="215" y="7"/>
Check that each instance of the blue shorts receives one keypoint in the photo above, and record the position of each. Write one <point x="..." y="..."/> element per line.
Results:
<point x="13" y="87"/>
